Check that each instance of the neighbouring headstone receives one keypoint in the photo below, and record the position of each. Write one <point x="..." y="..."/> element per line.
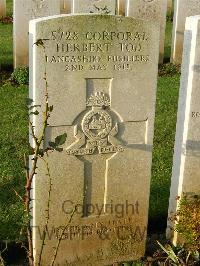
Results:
<point x="121" y="7"/>
<point x="169" y="7"/>
<point x="2" y="8"/>
<point x="65" y="6"/>
<point x="186" y="162"/>
<point x="100" y="73"/>
<point x="182" y="9"/>
<point x="94" y="6"/>
<point x="150" y="10"/>
<point x="24" y="11"/>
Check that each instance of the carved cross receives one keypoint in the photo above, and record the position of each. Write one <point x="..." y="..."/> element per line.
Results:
<point x="98" y="138"/>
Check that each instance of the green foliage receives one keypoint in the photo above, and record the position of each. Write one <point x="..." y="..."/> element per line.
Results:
<point x="188" y="226"/>
<point x="13" y="146"/>
<point x="59" y="140"/>
<point x="168" y="37"/>
<point x="188" y="222"/>
<point x="6" y="45"/>
<point x="168" y="70"/>
<point x="20" y="76"/>
<point x="173" y="256"/>
<point x="164" y="135"/>
<point x="170" y="254"/>
<point x="9" y="7"/>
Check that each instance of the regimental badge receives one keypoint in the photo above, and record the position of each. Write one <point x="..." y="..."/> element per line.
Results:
<point x="98" y="132"/>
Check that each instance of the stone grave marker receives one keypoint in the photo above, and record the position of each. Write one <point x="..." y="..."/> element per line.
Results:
<point x="101" y="72"/>
<point x="151" y="10"/>
<point x="2" y="8"/>
<point x="94" y="6"/>
<point x="121" y="7"/>
<point x="65" y="6"/>
<point x="186" y="162"/>
<point x="182" y="9"/>
<point x="25" y="10"/>
<point x="169" y="7"/>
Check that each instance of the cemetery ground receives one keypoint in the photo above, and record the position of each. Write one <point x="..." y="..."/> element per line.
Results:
<point x="14" y="144"/>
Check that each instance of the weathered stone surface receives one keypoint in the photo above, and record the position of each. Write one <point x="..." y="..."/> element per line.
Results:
<point x="101" y="72"/>
<point x="182" y="9"/>
<point x="65" y="6"/>
<point x="25" y="10"/>
<point x="2" y="8"/>
<point x="94" y="6"/>
<point x="186" y="163"/>
<point x="151" y="10"/>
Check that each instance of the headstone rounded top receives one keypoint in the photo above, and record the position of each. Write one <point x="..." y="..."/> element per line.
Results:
<point x="118" y="18"/>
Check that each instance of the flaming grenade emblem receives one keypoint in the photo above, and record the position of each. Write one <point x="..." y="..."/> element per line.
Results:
<point x="98" y="131"/>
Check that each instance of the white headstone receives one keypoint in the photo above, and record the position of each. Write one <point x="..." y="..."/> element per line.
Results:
<point x="101" y="72"/>
<point x="65" y="6"/>
<point x="2" y="8"/>
<point x="24" y="11"/>
<point x="150" y="10"/>
<point x="94" y="6"/>
<point x="186" y="162"/>
<point x="182" y="9"/>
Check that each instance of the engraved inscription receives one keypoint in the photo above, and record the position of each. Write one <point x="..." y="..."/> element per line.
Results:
<point x="98" y="138"/>
<point x="148" y="1"/>
<point x="98" y="51"/>
<point x="195" y="114"/>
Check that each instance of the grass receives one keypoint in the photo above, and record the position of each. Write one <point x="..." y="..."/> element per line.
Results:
<point x="165" y="123"/>
<point x="168" y="36"/>
<point x="13" y="144"/>
<point x="9" y="7"/>
<point x="14" y="141"/>
<point x="6" y="56"/>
